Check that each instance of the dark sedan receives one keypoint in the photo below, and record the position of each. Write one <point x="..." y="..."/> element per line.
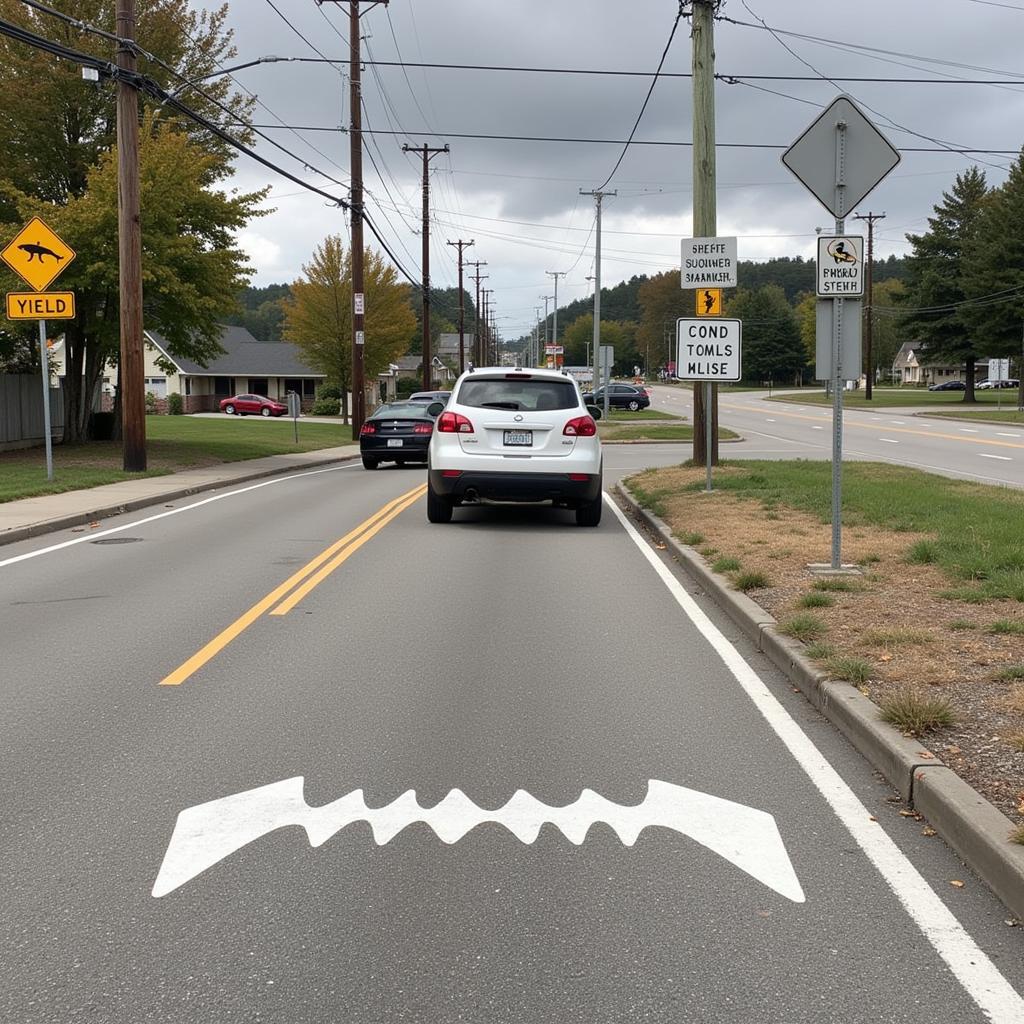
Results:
<point x="398" y="432"/>
<point x="949" y="385"/>
<point x="620" y="396"/>
<point x="252" y="405"/>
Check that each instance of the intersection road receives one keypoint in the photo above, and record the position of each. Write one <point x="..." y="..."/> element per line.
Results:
<point x="213" y="721"/>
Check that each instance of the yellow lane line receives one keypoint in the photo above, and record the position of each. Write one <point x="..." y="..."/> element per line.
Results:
<point x="849" y="422"/>
<point x="315" y="580"/>
<point x="222" y="639"/>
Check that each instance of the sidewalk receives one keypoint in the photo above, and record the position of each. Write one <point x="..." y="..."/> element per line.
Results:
<point x="30" y="517"/>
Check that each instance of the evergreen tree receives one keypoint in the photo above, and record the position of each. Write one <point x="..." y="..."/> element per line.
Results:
<point x="772" y="344"/>
<point x="936" y="286"/>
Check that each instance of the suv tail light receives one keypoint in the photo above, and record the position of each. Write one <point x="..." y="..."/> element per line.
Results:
<point x="367" y="428"/>
<point x="581" y="426"/>
<point x="454" y="423"/>
<point x="423" y="428"/>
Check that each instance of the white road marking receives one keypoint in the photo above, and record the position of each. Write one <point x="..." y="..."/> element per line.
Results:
<point x="967" y="430"/>
<point x="748" y="838"/>
<point x="888" y="440"/>
<point x="817" y="428"/>
<point x="769" y="421"/>
<point x="93" y="534"/>
<point x="977" y="974"/>
<point x="1000" y="433"/>
<point x="1002" y="458"/>
<point x="898" y="421"/>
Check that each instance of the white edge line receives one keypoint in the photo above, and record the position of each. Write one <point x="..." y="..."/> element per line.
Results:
<point x="979" y="977"/>
<point x="889" y="440"/>
<point x="169" y="512"/>
<point x="1002" y="458"/>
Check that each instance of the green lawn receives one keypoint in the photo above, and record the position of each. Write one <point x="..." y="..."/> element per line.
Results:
<point x="988" y="416"/>
<point x="654" y="432"/>
<point x="903" y="397"/>
<point x="974" y="529"/>
<point x="173" y="443"/>
<point x="641" y="414"/>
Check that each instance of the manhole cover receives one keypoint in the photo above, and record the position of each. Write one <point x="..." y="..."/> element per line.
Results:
<point x="116" y="540"/>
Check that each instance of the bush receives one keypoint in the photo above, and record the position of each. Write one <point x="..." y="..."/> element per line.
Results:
<point x="328" y="391"/>
<point x="150" y="403"/>
<point x="175" y="404"/>
<point x="327" y="407"/>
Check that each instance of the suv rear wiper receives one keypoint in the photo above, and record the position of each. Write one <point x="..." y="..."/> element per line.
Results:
<point x="500" y="405"/>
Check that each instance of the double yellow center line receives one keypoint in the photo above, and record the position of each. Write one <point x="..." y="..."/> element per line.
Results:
<point x="284" y="598"/>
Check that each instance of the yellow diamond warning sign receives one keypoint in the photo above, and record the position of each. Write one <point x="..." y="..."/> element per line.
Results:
<point x="38" y="254"/>
<point x="40" y="305"/>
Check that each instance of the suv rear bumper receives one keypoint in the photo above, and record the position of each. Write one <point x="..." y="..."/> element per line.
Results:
<point x="520" y="487"/>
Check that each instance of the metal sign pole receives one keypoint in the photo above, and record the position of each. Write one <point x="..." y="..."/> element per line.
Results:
<point x="707" y="431"/>
<point x="837" y="363"/>
<point x="45" y="360"/>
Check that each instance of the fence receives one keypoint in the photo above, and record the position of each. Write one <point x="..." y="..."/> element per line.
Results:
<point x="21" y="411"/>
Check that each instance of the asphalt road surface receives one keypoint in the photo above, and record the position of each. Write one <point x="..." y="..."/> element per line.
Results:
<point x="214" y="715"/>
<point x="986" y="452"/>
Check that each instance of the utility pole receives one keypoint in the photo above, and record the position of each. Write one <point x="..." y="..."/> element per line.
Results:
<point x="428" y="152"/>
<point x="870" y="218"/>
<point x="129" y="248"/>
<point x="536" y="337"/>
<point x="478" y="277"/>
<point x="705" y="427"/>
<point x="545" y="338"/>
<point x="355" y="143"/>
<point x="462" y="308"/>
<point x="556" y="274"/>
<point x="598" y="196"/>
<point x="485" y="294"/>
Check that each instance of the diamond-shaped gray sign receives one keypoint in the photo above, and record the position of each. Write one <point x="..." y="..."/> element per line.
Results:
<point x="841" y="156"/>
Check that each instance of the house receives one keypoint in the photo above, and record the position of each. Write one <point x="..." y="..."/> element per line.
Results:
<point x="247" y="366"/>
<point x="444" y="359"/>
<point x="913" y="366"/>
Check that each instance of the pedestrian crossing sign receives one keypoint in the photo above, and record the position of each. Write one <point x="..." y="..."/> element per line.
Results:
<point x="38" y="254"/>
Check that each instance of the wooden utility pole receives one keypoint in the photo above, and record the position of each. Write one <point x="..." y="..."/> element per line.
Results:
<point x="355" y="142"/>
<point x="598" y="196"/>
<point x="705" y="214"/>
<point x="462" y="308"/>
<point x="869" y="277"/>
<point x="478" y="359"/>
<point x="427" y="152"/>
<point x="485" y="294"/>
<point x="129" y="245"/>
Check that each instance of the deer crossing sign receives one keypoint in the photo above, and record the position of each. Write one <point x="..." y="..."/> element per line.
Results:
<point x="709" y="349"/>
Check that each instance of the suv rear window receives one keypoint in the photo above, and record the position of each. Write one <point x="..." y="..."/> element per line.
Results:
<point x="530" y="395"/>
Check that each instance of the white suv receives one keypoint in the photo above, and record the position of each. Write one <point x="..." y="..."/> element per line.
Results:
<point x="515" y="435"/>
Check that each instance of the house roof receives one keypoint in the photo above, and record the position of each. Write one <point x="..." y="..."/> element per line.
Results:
<point x="243" y="356"/>
<point x="905" y="356"/>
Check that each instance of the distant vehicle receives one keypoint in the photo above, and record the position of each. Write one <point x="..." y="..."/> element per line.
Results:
<point x="620" y="396"/>
<point x="515" y="435"/>
<point x="252" y="405"/>
<point x="949" y="385"/>
<point x="1010" y="382"/>
<point x="426" y="397"/>
<point x="397" y="432"/>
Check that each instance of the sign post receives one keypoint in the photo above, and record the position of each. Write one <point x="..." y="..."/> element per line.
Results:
<point x="709" y="351"/>
<point x="38" y="255"/>
<point x="606" y="356"/>
<point x="840" y="158"/>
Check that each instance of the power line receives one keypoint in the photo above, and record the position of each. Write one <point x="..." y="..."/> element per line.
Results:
<point x="296" y="31"/>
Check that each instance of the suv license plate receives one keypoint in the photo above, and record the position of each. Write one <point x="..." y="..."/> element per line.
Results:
<point x="394" y="442"/>
<point x="523" y="438"/>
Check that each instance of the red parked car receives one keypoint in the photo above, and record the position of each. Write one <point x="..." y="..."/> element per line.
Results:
<point x="252" y="405"/>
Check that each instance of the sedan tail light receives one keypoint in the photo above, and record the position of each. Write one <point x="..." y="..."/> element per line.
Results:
<point x="423" y="428"/>
<point x="367" y="428"/>
<point x="581" y="426"/>
<point x="454" y="423"/>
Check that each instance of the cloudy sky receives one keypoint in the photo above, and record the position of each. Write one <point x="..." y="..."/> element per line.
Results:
<point x="519" y="200"/>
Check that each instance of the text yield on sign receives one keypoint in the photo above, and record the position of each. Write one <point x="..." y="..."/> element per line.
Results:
<point x="708" y="349"/>
<point x="40" y="305"/>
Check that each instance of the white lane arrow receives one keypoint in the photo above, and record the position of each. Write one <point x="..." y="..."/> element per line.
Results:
<point x="748" y="838"/>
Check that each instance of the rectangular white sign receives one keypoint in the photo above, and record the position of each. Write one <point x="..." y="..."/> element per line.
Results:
<point x="360" y="337"/>
<point x="709" y="263"/>
<point x="360" y="303"/>
<point x="709" y="349"/>
<point x="840" y="266"/>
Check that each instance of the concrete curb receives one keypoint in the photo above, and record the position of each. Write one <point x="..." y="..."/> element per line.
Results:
<point x="974" y="828"/>
<point x="105" y="511"/>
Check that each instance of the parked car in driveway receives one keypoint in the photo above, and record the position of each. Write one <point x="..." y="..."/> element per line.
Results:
<point x="949" y="385"/>
<point x="515" y="435"/>
<point x="429" y="396"/>
<point x="620" y="396"/>
<point x="252" y="405"/>
<point x="397" y="432"/>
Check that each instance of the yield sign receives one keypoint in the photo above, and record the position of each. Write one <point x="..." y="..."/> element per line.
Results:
<point x="841" y="157"/>
<point x="38" y="254"/>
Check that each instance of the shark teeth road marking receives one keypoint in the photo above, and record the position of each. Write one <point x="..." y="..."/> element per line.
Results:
<point x="748" y="838"/>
